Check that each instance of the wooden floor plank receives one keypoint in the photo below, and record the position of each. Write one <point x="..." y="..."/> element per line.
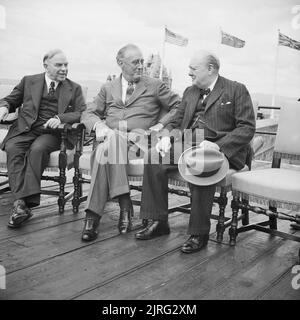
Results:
<point x="66" y="275"/>
<point x="181" y="276"/>
<point x="282" y="289"/>
<point x="46" y="259"/>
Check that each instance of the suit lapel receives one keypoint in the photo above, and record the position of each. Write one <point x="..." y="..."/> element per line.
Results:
<point x="116" y="91"/>
<point x="215" y="94"/>
<point x="138" y="91"/>
<point x="65" y="95"/>
<point x="190" y="108"/>
<point x="37" y="90"/>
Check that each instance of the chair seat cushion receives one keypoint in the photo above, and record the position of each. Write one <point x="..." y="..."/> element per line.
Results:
<point x="279" y="185"/>
<point x="53" y="161"/>
<point x="136" y="169"/>
<point x="54" y="156"/>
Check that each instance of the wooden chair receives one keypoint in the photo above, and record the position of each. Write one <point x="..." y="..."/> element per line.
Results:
<point x="60" y="161"/>
<point x="176" y="184"/>
<point x="274" y="188"/>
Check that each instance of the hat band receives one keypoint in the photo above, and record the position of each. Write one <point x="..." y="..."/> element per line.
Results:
<point x="204" y="174"/>
<point x="207" y="174"/>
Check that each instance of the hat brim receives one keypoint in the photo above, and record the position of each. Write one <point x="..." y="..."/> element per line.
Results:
<point x="201" y="181"/>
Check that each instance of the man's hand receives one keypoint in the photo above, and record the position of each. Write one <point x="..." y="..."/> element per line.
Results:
<point x="102" y="132"/>
<point x="209" y="145"/>
<point x="52" y="123"/>
<point x="163" y="146"/>
<point x="3" y="113"/>
<point x="156" y="127"/>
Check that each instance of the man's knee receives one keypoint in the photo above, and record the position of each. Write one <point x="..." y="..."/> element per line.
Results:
<point x="11" y="148"/>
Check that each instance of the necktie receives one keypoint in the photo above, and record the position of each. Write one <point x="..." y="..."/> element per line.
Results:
<point x="51" y="89"/>
<point x="129" y="91"/>
<point x="204" y="92"/>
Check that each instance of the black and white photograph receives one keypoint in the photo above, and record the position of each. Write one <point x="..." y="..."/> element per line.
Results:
<point x="149" y="153"/>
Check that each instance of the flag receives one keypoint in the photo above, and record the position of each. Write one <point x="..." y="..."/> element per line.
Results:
<point x="288" y="42"/>
<point x="175" y="38"/>
<point x="232" y="41"/>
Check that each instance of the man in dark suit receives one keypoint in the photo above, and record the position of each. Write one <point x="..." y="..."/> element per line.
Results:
<point x="130" y="102"/>
<point x="44" y="100"/>
<point x="223" y="110"/>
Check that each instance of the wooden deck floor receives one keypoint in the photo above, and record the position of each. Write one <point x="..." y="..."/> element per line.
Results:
<point x="47" y="260"/>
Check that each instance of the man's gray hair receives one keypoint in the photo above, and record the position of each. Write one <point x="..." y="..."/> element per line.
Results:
<point x="121" y="52"/>
<point x="50" y="54"/>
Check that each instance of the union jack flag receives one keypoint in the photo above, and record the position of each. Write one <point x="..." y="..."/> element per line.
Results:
<point x="288" y="42"/>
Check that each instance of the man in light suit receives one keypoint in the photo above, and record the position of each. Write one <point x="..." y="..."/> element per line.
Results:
<point x="223" y="109"/>
<point x="126" y="104"/>
<point x="44" y="100"/>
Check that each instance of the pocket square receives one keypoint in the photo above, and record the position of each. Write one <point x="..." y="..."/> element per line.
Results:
<point x="225" y="103"/>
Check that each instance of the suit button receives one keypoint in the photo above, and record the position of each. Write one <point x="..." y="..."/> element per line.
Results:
<point x="27" y="128"/>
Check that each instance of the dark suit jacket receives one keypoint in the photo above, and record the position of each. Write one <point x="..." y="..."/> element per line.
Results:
<point x="27" y="96"/>
<point x="228" y="113"/>
<point x="150" y="98"/>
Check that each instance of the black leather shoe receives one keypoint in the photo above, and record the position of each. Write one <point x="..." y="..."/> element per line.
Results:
<point x="153" y="229"/>
<point x="195" y="243"/>
<point x="90" y="229"/>
<point x="20" y="214"/>
<point x="125" y="223"/>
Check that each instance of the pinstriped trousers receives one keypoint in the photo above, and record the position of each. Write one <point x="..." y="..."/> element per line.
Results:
<point x="155" y="197"/>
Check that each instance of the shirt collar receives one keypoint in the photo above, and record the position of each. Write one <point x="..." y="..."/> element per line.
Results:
<point x="48" y="81"/>
<point x="125" y="82"/>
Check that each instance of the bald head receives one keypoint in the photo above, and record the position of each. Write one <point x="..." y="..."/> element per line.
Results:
<point x="130" y="59"/>
<point x="204" y="68"/>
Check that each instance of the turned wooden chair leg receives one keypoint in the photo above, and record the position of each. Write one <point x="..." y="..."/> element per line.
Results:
<point x="234" y="221"/>
<point x="222" y="201"/>
<point x="273" y="219"/>
<point x="62" y="175"/>
<point x="245" y="213"/>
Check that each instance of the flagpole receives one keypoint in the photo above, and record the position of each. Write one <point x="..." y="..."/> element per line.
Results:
<point x="220" y="41"/>
<point x="275" y="78"/>
<point x="163" y="53"/>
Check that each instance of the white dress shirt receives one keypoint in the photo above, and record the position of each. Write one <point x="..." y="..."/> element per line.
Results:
<point x="48" y="81"/>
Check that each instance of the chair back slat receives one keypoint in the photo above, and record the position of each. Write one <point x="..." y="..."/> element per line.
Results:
<point x="288" y="134"/>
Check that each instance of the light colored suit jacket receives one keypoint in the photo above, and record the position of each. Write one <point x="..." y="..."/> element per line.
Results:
<point x="27" y="97"/>
<point x="228" y="113"/>
<point x="149" y="100"/>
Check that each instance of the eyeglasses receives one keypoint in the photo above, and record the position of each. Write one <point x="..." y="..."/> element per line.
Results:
<point x="135" y="62"/>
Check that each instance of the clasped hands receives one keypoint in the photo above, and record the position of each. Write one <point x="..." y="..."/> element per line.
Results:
<point x="52" y="123"/>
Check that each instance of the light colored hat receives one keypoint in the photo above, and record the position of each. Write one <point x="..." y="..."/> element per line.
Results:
<point x="203" y="166"/>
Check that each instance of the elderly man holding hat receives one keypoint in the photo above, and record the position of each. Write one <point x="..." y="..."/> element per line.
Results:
<point x="216" y="120"/>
